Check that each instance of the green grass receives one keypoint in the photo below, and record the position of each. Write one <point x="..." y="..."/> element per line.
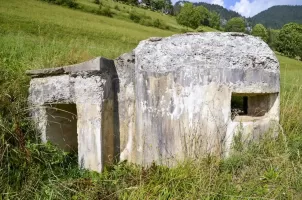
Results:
<point x="34" y="34"/>
<point x="124" y="9"/>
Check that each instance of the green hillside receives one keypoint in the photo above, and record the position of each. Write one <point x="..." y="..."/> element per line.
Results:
<point x="277" y="16"/>
<point x="35" y="34"/>
<point x="60" y="24"/>
<point x="122" y="12"/>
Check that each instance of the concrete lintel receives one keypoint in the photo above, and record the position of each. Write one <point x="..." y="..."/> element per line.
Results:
<point x="99" y="64"/>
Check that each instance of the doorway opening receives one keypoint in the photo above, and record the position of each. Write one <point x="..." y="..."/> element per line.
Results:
<point x="61" y="127"/>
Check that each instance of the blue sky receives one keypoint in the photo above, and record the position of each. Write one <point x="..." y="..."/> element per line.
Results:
<point x="249" y="8"/>
<point x="229" y="3"/>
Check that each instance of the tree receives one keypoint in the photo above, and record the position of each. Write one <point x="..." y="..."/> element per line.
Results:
<point x="235" y="24"/>
<point x="273" y="38"/>
<point x="165" y="6"/>
<point x="168" y="7"/>
<point x="147" y="2"/>
<point x="191" y="16"/>
<point x="290" y="40"/>
<point x="132" y="2"/>
<point x="157" y="4"/>
<point x="204" y="15"/>
<point x="260" y="31"/>
<point x="187" y="16"/>
<point x="214" y="20"/>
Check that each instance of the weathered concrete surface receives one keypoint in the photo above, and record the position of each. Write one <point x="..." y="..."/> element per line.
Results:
<point x="183" y="87"/>
<point x="98" y="64"/>
<point x="88" y="86"/>
<point x="125" y="67"/>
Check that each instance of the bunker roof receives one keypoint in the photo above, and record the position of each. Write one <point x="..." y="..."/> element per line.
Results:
<point x="98" y="65"/>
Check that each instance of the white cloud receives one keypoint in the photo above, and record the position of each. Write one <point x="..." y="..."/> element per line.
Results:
<point x="249" y="8"/>
<point x="218" y="2"/>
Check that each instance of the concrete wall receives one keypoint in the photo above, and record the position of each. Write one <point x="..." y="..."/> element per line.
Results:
<point x="183" y="87"/>
<point x="91" y="93"/>
<point x="125" y="67"/>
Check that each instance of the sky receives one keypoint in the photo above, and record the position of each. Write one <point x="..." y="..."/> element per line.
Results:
<point x="249" y="8"/>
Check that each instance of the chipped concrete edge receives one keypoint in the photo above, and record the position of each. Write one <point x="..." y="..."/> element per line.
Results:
<point x="98" y="64"/>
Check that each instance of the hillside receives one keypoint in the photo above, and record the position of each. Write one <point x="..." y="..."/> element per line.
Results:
<point x="274" y="17"/>
<point x="123" y="12"/>
<point x="35" y="34"/>
<point x="277" y="16"/>
<point x="224" y="13"/>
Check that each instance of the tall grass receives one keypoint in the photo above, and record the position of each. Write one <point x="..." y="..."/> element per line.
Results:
<point x="33" y="35"/>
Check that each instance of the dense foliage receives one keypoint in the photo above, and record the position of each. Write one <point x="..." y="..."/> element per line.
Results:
<point x="273" y="38"/>
<point x="214" y="20"/>
<point x="131" y="2"/>
<point x="164" y="6"/>
<point x="277" y="16"/>
<point x="224" y="13"/>
<point x="69" y="3"/>
<point x="260" y="31"/>
<point x="193" y="16"/>
<point x="236" y="24"/>
<point x="290" y="40"/>
<point x="146" y="20"/>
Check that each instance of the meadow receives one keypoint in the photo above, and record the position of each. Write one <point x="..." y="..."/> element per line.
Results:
<point x="35" y="34"/>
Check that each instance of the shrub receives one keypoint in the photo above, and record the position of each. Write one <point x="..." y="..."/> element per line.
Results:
<point x="184" y="30"/>
<point x="134" y="16"/>
<point x="105" y="11"/>
<point x="96" y="1"/>
<point x="146" y="22"/>
<point x="191" y="16"/>
<point x="235" y="24"/>
<point x="289" y="40"/>
<point x="157" y="23"/>
<point x="200" y="29"/>
<point x="260" y="31"/>
<point x="117" y="8"/>
<point x="273" y="38"/>
<point x="160" y="24"/>
<point x="68" y="3"/>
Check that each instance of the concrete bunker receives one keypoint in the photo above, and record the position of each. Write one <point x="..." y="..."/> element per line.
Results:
<point x="168" y="100"/>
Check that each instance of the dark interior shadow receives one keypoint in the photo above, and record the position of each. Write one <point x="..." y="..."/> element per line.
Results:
<point x="111" y="133"/>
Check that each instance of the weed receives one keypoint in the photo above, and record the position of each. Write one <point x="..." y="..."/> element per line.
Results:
<point x="105" y="11"/>
<point x="117" y="8"/>
<point x="69" y="3"/>
<point x="134" y="16"/>
<point x="97" y="2"/>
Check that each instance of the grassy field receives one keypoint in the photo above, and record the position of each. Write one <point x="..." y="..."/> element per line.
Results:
<point x="34" y="34"/>
<point x="122" y="12"/>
